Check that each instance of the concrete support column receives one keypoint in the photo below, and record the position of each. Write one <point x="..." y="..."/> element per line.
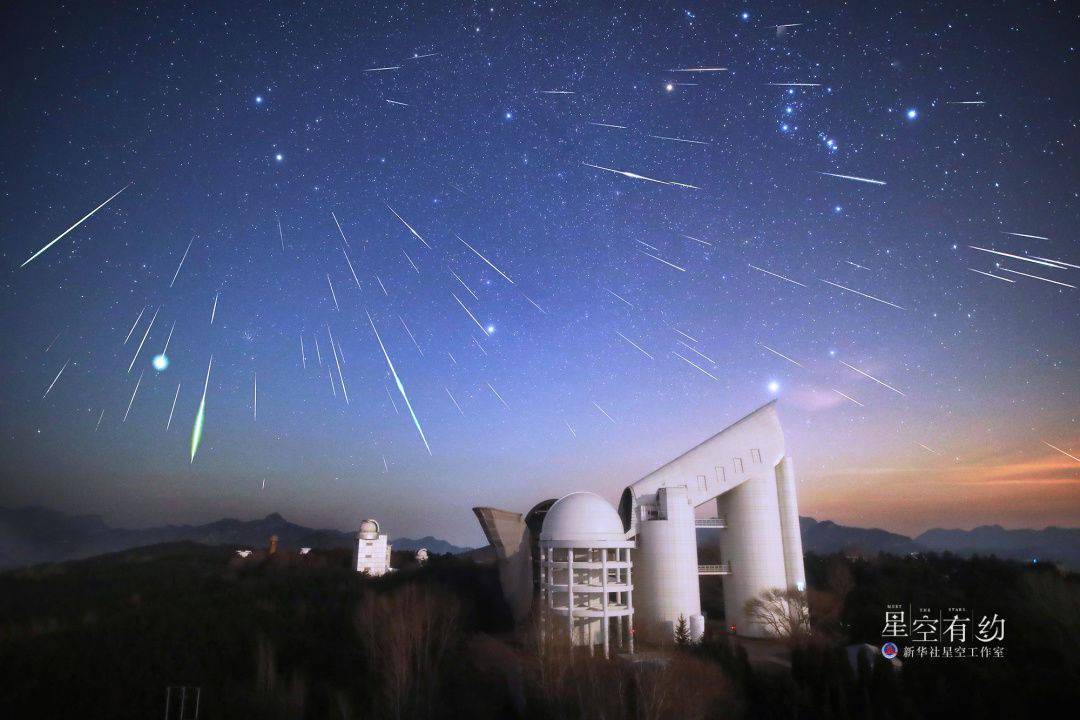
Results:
<point x="789" y="524"/>
<point x="604" y="602"/>
<point x="570" y="593"/>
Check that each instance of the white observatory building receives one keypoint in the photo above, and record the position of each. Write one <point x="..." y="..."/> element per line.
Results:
<point x="372" y="549"/>
<point x="586" y="586"/>
<point x="601" y="572"/>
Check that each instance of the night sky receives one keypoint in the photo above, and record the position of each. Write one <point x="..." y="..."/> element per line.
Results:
<point x="624" y="316"/>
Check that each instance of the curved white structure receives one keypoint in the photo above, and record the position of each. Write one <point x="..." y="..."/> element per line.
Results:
<point x="372" y="549"/>
<point x="586" y="574"/>
<point x="745" y="470"/>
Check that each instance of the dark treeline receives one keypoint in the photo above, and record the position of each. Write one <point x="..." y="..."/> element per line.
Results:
<point x="292" y="637"/>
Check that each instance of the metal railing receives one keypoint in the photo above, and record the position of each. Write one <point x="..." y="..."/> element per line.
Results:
<point x="715" y="569"/>
<point x="716" y="522"/>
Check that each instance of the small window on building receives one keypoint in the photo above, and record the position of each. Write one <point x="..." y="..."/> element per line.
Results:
<point x="721" y="474"/>
<point x="755" y="456"/>
<point x="702" y="483"/>
<point x="737" y="462"/>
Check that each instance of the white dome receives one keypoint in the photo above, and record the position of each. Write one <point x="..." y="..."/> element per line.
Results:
<point x="583" y="517"/>
<point x="369" y="528"/>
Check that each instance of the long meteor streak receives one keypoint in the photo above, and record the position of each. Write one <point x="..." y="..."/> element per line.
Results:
<point x="1055" y="447"/>
<point x="871" y="297"/>
<point x="638" y="347"/>
<point x="868" y="375"/>
<point x="996" y="277"/>
<point x="605" y="412"/>
<point x="416" y="234"/>
<point x="134" y="324"/>
<point x="852" y="177"/>
<point x="780" y="354"/>
<point x="143" y="341"/>
<point x="397" y="380"/>
<point x="173" y="408"/>
<point x="1037" y="261"/>
<point x="133" y="394"/>
<point x="337" y="362"/>
<point x="848" y="397"/>
<point x="635" y="176"/>
<point x="471" y="316"/>
<point x="339" y="229"/>
<point x="490" y="264"/>
<point x="182" y="259"/>
<point x="48" y="389"/>
<point x="767" y="272"/>
<point x="196" y="430"/>
<point x="660" y="259"/>
<point x="332" y="293"/>
<point x="1036" y="277"/>
<point x="213" y="310"/>
<point x="80" y="222"/>
<point x="349" y="262"/>
<point x="1025" y="235"/>
<point x="691" y="362"/>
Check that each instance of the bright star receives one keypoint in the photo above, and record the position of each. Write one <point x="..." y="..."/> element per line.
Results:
<point x="490" y="329"/>
<point x="279" y="157"/>
<point x="258" y="99"/>
<point x="774" y="387"/>
<point x="509" y="116"/>
<point x="745" y="16"/>
<point x="912" y="113"/>
<point x="669" y="87"/>
<point x="160" y="362"/>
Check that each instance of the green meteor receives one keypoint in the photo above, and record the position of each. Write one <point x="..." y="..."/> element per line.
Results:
<point x="196" y="431"/>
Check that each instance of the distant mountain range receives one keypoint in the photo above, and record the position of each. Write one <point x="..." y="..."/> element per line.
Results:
<point x="32" y="535"/>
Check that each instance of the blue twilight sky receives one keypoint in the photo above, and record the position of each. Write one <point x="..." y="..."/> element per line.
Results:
<point x="628" y="318"/>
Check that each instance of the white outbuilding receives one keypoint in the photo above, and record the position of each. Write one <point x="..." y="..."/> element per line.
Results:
<point x="372" y="549"/>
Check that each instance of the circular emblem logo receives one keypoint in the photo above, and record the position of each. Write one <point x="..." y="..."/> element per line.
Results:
<point x="889" y="650"/>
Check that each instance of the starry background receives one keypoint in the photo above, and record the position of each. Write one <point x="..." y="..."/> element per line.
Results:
<point x="223" y="120"/>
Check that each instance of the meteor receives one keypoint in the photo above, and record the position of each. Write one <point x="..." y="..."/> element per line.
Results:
<point x="135" y="324"/>
<point x="213" y="310"/>
<point x="660" y="259"/>
<point x="381" y="69"/>
<point x="182" y="259"/>
<point x="339" y="228"/>
<point x="1037" y="261"/>
<point x="391" y="399"/>
<point x="303" y="356"/>
<point x="605" y="412"/>
<point x="555" y="92"/>
<point x="54" y="341"/>
<point x="691" y="362"/>
<point x="1055" y="447"/>
<point x="777" y="276"/>
<point x="410" y="261"/>
<point x="852" y="177"/>
<point x="570" y="428"/>
<point x="318" y="353"/>
<point x="1023" y="235"/>
<point x="173" y="408"/>
<point x="996" y="277"/>
<point x="780" y="354"/>
<point x="416" y="234"/>
<point x="682" y="140"/>
<point x="141" y="342"/>
<point x="966" y="102"/>
<point x="688" y="337"/>
<point x="475" y="296"/>
<point x="395" y="102"/>
<point x="337" y="362"/>
<point x="1036" y="277"/>
<point x="794" y="84"/>
<point x="871" y="297"/>
<point x="80" y="222"/>
<point x="332" y="293"/>
<point x="533" y="303"/>
<point x="496" y="392"/>
<point x="608" y="125"/>
<point x="196" y="430"/>
<point x="133" y="394"/>
<point x="698" y="69"/>
<point x="619" y="297"/>
<point x="411" y="336"/>
<point x="349" y="262"/>
<point x="927" y="448"/>
<point x="490" y="264"/>
<point x="471" y="316"/>
<point x="255" y="397"/>
<point x="100" y="417"/>
<point x="866" y="374"/>
<point x="48" y="389"/>
<point x="848" y="397"/>
<point x="397" y="380"/>
<point x="635" y="176"/>
<point x="696" y="351"/>
<point x="382" y="286"/>
<point x="638" y="347"/>
<point x="166" y="348"/>
<point x="703" y="242"/>
<point x="281" y="236"/>
<point x="455" y="402"/>
<point x="862" y="267"/>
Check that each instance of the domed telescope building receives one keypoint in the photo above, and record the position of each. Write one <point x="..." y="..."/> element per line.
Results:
<point x="598" y="572"/>
<point x="372" y="549"/>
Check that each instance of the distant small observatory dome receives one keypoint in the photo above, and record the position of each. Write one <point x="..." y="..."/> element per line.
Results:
<point x="369" y="529"/>
<point x="582" y="517"/>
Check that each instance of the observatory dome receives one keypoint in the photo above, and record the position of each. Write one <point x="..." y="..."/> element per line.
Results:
<point x="369" y="529"/>
<point x="584" y="518"/>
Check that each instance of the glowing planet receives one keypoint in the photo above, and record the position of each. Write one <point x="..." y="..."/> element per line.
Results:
<point x="160" y="362"/>
<point x="774" y="387"/>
